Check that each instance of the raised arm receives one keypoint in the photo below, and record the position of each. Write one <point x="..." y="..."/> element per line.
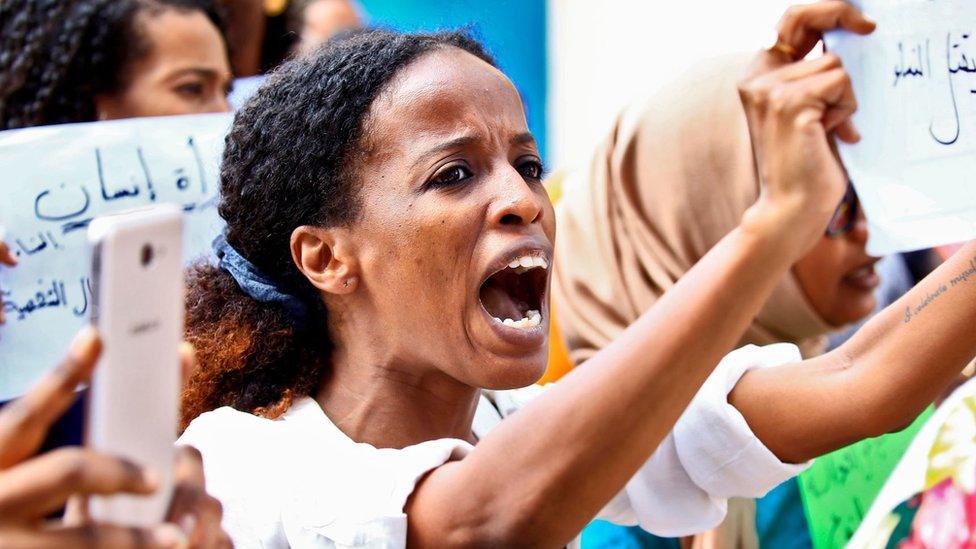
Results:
<point x="610" y="414"/>
<point x="876" y="382"/>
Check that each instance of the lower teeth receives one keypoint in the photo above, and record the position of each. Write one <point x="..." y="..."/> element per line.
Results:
<point x="532" y="320"/>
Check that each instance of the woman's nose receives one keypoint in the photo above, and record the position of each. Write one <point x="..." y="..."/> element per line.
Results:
<point x="859" y="232"/>
<point x="517" y="203"/>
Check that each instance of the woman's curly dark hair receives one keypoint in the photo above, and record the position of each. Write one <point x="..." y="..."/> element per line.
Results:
<point x="56" y="56"/>
<point x="290" y="160"/>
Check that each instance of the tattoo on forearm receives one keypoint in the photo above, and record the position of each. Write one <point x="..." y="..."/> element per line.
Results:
<point x="964" y="276"/>
<point x="961" y="278"/>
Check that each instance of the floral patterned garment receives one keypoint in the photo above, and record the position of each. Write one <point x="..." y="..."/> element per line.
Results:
<point x="943" y="514"/>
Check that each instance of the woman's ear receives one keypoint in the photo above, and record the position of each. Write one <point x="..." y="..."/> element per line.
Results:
<point x="325" y="257"/>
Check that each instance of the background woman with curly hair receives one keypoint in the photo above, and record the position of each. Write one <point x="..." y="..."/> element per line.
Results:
<point x="83" y="60"/>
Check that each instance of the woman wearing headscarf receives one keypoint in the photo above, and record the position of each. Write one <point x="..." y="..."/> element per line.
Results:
<point x="675" y="176"/>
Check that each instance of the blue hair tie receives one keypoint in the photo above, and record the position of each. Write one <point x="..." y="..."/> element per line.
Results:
<point x="255" y="283"/>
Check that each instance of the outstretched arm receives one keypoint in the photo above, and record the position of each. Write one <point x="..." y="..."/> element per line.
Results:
<point x="611" y="413"/>
<point x="876" y="382"/>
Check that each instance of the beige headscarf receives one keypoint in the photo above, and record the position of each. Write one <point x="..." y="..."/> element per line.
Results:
<point x="674" y="176"/>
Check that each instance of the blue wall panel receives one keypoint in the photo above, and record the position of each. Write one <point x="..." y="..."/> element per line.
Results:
<point x="513" y="30"/>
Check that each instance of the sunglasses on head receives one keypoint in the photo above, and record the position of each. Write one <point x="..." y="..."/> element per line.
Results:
<point x="845" y="216"/>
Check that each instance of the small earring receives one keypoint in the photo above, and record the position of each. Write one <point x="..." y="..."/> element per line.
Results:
<point x="345" y="283"/>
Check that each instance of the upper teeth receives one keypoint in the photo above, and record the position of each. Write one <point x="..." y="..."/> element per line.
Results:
<point x="532" y="320"/>
<point x="526" y="262"/>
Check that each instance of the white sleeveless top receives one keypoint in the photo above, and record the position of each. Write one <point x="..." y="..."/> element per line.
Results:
<point x="301" y="482"/>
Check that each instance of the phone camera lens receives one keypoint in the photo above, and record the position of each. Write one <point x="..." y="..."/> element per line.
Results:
<point x="147" y="255"/>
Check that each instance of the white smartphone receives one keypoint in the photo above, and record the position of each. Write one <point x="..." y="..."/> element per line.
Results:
<point x="133" y="402"/>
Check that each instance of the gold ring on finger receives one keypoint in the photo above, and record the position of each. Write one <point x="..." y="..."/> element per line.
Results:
<point x="785" y="49"/>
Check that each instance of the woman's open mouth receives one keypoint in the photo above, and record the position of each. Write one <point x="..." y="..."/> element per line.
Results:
<point x="865" y="278"/>
<point x="515" y="295"/>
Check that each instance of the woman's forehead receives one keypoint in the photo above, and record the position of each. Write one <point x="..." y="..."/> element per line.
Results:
<point x="447" y="92"/>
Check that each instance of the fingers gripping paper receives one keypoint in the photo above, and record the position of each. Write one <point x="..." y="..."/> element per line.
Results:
<point x="915" y="82"/>
<point x="57" y="178"/>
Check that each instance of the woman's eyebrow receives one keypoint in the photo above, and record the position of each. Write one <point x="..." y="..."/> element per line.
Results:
<point x="524" y="138"/>
<point x="456" y="143"/>
<point x="202" y="72"/>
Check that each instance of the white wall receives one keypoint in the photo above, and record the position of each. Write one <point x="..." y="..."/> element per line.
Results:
<point x="604" y="54"/>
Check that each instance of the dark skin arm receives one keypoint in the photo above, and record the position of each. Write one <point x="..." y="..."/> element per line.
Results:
<point x="611" y="413"/>
<point x="876" y="382"/>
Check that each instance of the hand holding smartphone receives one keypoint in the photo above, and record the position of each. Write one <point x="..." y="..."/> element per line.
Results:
<point x="133" y="405"/>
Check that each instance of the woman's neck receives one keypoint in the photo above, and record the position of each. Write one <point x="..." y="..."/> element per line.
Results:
<point x="389" y="405"/>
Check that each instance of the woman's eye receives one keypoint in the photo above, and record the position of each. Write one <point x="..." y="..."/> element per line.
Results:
<point x="451" y="175"/>
<point x="531" y="169"/>
<point x="191" y="90"/>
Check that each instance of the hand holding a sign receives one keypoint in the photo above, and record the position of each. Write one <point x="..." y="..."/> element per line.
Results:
<point x="31" y="488"/>
<point x="791" y="107"/>
<point x="6" y="257"/>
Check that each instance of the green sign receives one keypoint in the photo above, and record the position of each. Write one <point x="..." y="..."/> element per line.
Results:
<point x="840" y="487"/>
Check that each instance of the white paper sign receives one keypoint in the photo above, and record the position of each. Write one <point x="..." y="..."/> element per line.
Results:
<point x="915" y="82"/>
<point x="56" y="178"/>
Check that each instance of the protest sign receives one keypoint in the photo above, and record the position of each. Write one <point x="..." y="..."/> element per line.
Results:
<point x="57" y="179"/>
<point x="941" y="451"/>
<point x="915" y="82"/>
<point x="840" y="487"/>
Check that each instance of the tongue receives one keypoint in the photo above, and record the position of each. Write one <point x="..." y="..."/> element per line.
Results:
<point x="499" y="304"/>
